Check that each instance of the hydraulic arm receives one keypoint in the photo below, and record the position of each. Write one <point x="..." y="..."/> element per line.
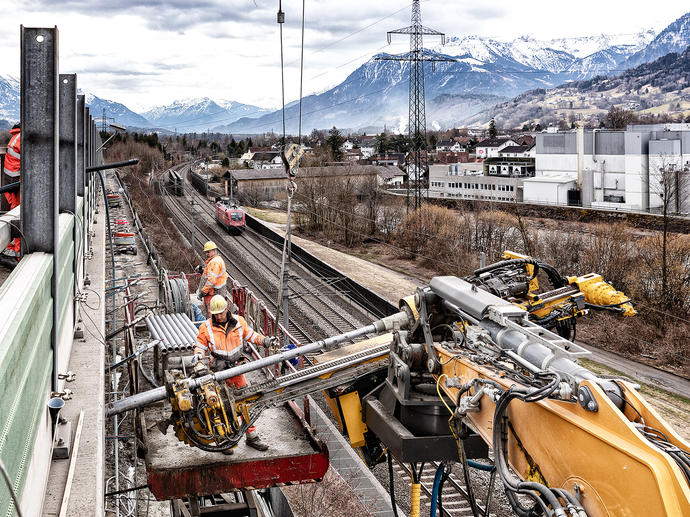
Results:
<point x="457" y="370"/>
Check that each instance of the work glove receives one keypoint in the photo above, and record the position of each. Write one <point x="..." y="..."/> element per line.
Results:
<point x="197" y="358"/>
<point x="270" y="341"/>
<point x="199" y="269"/>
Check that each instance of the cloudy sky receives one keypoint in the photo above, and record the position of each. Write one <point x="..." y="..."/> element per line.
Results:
<point x="150" y="53"/>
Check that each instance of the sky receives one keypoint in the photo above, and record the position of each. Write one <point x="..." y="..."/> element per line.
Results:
<point x="145" y="54"/>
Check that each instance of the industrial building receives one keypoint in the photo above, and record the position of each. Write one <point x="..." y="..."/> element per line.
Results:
<point x="267" y="183"/>
<point x="612" y="169"/>
<point x="469" y="181"/>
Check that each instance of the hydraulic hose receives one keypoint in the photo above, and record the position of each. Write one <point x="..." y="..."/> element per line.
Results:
<point x="556" y="279"/>
<point x="480" y="466"/>
<point x="435" y="490"/>
<point x="391" y="483"/>
<point x="415" y="495"/>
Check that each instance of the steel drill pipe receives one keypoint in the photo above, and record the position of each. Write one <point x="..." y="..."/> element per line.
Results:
<point x="396" y="321"/>
<point x="114" y="165"/>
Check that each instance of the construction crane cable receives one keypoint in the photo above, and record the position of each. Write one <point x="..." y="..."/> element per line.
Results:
<point x="301" y="78"/>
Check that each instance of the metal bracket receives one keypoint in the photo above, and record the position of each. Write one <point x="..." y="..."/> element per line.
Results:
<point x="62" y="444"/>
<point x="66" y="394"/>
<point x="70" y="376"/>
<point x="586" y="399"/>
<point x="433" y="364"/>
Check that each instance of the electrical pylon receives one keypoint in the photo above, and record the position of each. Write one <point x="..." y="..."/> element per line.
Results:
<point x="417" y="166"/>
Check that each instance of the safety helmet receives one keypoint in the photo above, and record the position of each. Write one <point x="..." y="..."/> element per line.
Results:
<point x="217" y="304"/>
<point x="210" y="245"/>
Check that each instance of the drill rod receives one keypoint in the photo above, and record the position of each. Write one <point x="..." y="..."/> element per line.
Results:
<point x="395" y="321"/>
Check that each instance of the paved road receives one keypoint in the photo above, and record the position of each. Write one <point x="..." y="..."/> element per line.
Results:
<point x="641" y="372"/>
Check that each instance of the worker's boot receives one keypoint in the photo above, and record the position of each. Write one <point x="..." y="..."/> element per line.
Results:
<point x="255" y="442"/>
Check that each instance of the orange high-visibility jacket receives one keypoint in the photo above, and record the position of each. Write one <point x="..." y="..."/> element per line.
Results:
<point x="215" y="274"/>
<point x="11" y="167"/>
<point x="223" y="337"/>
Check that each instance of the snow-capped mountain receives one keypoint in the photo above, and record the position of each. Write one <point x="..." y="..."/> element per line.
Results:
<point x="9" y="98"/>
<point x="674" y="38"/>
<point x="582" y="55"/>
<point x="199" y="114"/>
<point x="114" y="111"/>
<point x="581" y="47"/>
<point x="376" y="94"/>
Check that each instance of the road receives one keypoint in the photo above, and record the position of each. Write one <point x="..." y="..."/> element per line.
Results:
<point x="641" y="372"/>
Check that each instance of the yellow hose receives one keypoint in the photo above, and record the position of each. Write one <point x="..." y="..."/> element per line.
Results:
<point x="415" y="499"/>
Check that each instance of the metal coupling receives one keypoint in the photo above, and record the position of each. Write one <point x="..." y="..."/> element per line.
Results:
<point x="565" y="391"/>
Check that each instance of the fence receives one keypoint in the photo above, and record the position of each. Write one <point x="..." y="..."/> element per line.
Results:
<point x="38" y="301"/>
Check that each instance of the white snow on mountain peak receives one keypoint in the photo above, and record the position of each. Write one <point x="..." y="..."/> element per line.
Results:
<point x="553" y="55"/>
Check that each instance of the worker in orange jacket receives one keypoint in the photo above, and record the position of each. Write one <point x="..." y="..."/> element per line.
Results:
<point x="12" y="168"/>
<point x="215" y="277"/>
<point x="222" y="333"/>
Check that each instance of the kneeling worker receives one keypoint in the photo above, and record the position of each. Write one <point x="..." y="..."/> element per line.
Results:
<point x="225" y="332"/>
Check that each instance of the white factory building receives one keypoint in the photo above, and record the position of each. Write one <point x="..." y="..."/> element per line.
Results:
<point x="468" y="181"/>
<point x="611" y="169"/>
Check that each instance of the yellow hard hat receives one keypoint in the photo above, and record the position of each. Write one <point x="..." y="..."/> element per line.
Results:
<point x="217" y="304"/>
<point x="210" y="245"/>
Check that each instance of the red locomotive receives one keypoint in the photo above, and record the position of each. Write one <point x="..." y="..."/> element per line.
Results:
<point x="230" y="216"/>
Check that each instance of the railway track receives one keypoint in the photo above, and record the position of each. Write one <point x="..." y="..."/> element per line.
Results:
<point x="314" y="293"/>
<point x="455" y="496"/>
<point x="321" y="309"/>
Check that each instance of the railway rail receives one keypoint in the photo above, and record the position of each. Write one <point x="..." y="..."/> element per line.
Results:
<point x="313" y="292"/>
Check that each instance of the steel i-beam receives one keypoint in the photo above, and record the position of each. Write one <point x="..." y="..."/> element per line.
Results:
<point x="39" y="112"/>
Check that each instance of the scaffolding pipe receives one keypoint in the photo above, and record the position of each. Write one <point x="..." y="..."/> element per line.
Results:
<point x="398" y="320"/>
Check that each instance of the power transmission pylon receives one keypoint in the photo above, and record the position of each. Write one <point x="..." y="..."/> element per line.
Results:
<point x="417" y="166"/>
<point x="104" y="121"/>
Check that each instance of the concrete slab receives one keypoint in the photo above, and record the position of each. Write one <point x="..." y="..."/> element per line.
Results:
<point x="87" y="361"/>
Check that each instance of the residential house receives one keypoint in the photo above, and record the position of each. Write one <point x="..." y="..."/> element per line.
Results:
<point x="389" y="159"/>
<point x="491" y="146"/>
<point x="266" y="160"/>
<point x="353" y="155"/>
<point x="449" y="146"/>
<point x="452" y="157"/>
<point x="368" y="147"/>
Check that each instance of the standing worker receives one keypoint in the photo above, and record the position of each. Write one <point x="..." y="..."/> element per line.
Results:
<point x="12" y="168"/>
<point x="215" y="277"/>
<point x="225" y="332"/>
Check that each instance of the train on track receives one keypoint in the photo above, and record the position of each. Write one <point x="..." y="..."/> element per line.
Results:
<point x="230" y="216"/>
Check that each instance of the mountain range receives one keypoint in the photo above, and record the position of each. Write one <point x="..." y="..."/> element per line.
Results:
<point x="659" y="87"/>
<point x="484" y="72"/>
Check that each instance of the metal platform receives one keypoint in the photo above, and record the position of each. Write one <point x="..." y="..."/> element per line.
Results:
<point x="177" y="470"/>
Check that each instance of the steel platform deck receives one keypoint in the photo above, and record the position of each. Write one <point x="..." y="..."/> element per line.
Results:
<point x="177" y="470"/>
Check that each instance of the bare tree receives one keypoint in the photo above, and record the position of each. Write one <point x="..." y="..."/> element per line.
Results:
<point x="670" y="184"/>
